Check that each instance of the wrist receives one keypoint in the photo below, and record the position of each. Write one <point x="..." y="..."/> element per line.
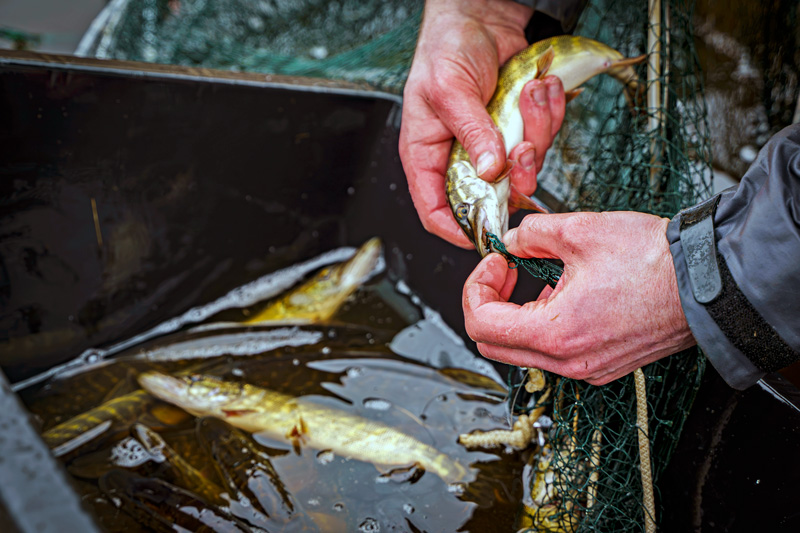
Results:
<point x="507" y="13"/>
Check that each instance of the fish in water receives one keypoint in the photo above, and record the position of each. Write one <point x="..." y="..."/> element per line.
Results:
<point x="282" y="417"/>
<point x="318" y="299"/>
<point x="109" y="419"/>
<point x="480" y="207"/>
<point x="161" y="506"/>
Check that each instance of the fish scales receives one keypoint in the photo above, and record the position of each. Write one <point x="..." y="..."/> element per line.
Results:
<point x="480" y="207"/>
<point x="282" y="417"/>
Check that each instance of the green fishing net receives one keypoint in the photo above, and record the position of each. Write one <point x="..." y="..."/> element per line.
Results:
<point x="362" y="41"/>
<point x="652" y="158"/>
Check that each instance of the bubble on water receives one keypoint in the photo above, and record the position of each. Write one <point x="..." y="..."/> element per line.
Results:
<point x="325" y="457"/>
<point x="369" y="525"/>
<point x="313" y="502"/>
<point x="379" y="404"/>
<point x="457" y="488"/>
<point x="354" y="371"/>
<point x="408" y="508"/>
<point x="338" y="507"/>
<point x="238" y="372"/>
<point x="296" y="362"/>
<point x="326" y="350"/>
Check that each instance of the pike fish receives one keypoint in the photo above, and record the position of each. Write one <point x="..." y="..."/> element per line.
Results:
<point x="302" y="422"/>
<point x="108" y="420"/>
<point x="480" y="207"/>
<point x="318" y="299"/>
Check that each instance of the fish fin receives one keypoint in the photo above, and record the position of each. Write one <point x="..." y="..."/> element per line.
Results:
<point x="506" y="172"/>
<point x="544" y="62"/>
<point x="297" y="434"/>
<point x="521" y="201"/>
<point x="238" y="412"/>
<point x="634" y="91"/>
<point x="629" y="61"/>
<point x="572" y="94"/>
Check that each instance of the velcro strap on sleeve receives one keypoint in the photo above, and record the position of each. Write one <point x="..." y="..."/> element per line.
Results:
<point x="699" y="250"/>
<point x="713" y="286"/>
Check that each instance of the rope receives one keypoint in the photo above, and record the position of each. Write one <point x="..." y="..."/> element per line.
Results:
<point x="644" y="452"/>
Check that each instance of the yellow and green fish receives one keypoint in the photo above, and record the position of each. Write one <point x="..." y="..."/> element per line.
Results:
<point x="318" y="299"/>
<point x="480" y="207"/>
<point x="301" y="422"/>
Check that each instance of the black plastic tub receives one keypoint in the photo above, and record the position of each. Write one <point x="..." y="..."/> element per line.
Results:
<point x="131" y="192"/>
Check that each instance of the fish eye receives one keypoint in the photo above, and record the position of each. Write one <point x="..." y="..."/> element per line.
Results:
<point x="462" y="210"/>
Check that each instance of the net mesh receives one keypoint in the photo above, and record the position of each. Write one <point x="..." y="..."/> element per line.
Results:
<point x="654" y="158"/>
<point x="362" y="41"/>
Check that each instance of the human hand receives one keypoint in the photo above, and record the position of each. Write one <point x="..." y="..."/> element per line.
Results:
<point x="462" y="43"/>
<point x="616" y="307"/>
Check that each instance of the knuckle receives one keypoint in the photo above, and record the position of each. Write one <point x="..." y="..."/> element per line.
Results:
<point x="469" y="132"/>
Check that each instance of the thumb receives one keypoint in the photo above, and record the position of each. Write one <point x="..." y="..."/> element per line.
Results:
<point x="476" y="131"/>
<point x="542" y="236"/>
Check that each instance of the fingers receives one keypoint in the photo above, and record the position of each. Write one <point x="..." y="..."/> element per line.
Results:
<point x="523" y="173"/>
<point x="463" y="112"/>
<point x="488" y="315"/>
<point x="544" y="236"/>
<point x="424" y="147"/>
<point x="542" y="105"/>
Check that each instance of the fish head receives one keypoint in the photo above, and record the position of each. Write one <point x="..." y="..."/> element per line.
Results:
<point x="341" y="279"/>
<point x="194" y="393"/>
<point x="355" y="271"/>
<point x="479" y="207"/>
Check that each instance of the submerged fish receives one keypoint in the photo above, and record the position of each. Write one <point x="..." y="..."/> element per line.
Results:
<point x="283" y="417"/>
<point x="109" y="419"/>
<point x="160" y="506"/>
<point x="177" y="469"/>
<point x="480" y="207"/>
<point x="320" y="297"/>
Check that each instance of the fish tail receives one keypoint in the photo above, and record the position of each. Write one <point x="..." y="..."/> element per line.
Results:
<point x="446" y="468"/>
<point x="622" y="70"/>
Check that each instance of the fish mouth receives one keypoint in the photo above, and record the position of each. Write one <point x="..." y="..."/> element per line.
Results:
<point x="480" y="226"/>
<point x="161" y="385"/>
<point x="361" y="265"/>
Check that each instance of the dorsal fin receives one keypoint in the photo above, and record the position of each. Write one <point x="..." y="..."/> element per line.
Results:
<point x="544" y="62"/>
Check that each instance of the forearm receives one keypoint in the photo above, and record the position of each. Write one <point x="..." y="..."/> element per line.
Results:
<point x="752" y="326"/>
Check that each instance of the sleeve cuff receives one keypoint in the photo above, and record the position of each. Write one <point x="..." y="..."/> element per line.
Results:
<point x="734" y="367"/>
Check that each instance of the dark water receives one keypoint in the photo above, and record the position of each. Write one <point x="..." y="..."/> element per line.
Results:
<point x="351" y="364"/>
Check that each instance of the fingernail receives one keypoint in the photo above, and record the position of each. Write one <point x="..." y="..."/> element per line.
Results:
<point x="485" y="162"/>
<point x="553" y="90"/>
<point x="527" y="159"/>
<point x="540" y="94"/>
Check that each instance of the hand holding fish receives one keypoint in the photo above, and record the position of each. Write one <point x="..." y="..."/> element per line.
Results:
<point x="616" y="307"/>
<point x="454" y="75"/>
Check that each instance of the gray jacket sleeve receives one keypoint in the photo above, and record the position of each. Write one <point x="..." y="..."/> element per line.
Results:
<point x="752" y="325"/>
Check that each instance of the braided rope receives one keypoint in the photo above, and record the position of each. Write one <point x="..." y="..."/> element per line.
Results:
<point x="644" y="452"/>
